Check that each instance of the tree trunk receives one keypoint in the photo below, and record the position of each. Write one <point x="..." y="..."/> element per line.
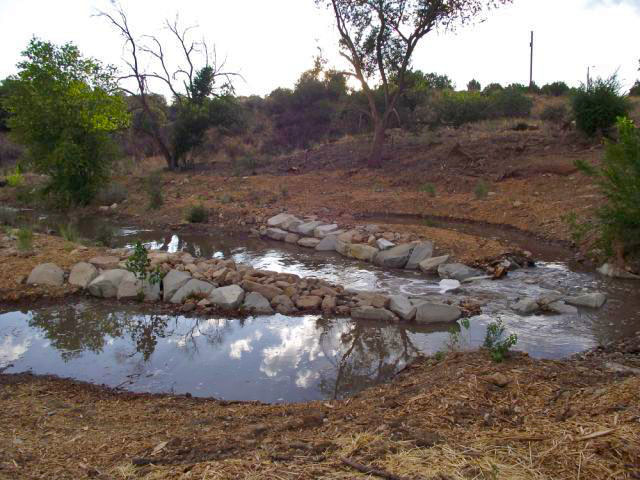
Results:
<point x="375" y="154"/>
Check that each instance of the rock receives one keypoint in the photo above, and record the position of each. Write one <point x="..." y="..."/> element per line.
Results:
<point x="401" y="306"/>
<point x="193" y="288"/>
<point x="309" y="242"/>
<point x="549" y="297"/>
<point x="292" y="238"/>
<point x="276" y="234"/>
<point x="106" y="284"/>
<point x="283" y="304"/>
<point x="280" y="220"/>
<point x="343" y="248"/>
<point x="227" y="298"/>
<point x="362" y="252"/>
<point x="105" y="262"/>
<point x="46" y="274"/>
<point x="132" y="288"/>
<point x="591" y="300"/>
<point x="421" y="252"/>
<point x="328" y="304"/>
<point x="561" y="308"/>
<point x="324" y="230"/>
<point x="268" y="291"/>
<point x="373" y="313"/>
<point x="610" y="270"/>
<point x="498" y="379"/>
<point x="457" y="271"/>
<point x="449" y="285"/>
<point x="256" y="303"/>
<point x="395" y="257"/>
<point x="372" y="229"/>
<point x="347" y="237"/>
<point x="327" y="244"/>
<point x="188" y="307"/>
<point x="172" y="282"/>
<point x="306" y="229"/>
<point x="430" y="265"/>
<point x="310" y="302"/>
<point x="384" y="244"/>
<point x="437" y="313"/>
<point x="82" y="274"/>
<point x="525" y="306"/>
<point x="204" y="303"/>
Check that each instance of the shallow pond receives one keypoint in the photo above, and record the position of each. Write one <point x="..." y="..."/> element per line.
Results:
<point x="286" y="359"/>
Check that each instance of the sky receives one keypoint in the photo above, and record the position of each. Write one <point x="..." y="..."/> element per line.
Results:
<point x="271" y="42"/>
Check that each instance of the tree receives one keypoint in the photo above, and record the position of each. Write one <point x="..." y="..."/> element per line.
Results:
<point x="4" y="113"/>
<point x="378" y="39"/>
<point x="474" y="86"/>
<point x="64" y="107"/>
<point x="191" y="86"/>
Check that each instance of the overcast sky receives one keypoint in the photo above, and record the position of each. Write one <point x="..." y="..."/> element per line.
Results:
<point x="271" y="42"/>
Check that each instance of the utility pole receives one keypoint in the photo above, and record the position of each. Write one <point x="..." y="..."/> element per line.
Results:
<point x="531" y="63"/>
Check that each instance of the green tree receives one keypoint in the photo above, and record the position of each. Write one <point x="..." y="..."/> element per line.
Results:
<point x="64" y="108"/>
<point x="4" y="113"/>
<point x="474" y="86"/>
<point x="378" y="39"/>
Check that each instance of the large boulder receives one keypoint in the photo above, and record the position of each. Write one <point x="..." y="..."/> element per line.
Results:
<point x="106" y="284"/>
<point x="307" y="229"/>
<point x="343" y="248"/>
<point x="327" y="244"/>
<point x="193" y="288"/>
<point x="309" y="242"/>
<point x="373" y="313"/>
<point x="256" y="303"/>
<point x="401" y="306"/>
<point x="46" y="274"/>
<point x="268" y="291"/>
<point x="280" y="220"/>
<point x="591" y="300"/>
<point x="105" y="262"/>
<point x="276" y="234"/>
<point x="427" y="313"/>
<point x="396" y="257"/>
<point x="172" y="282"/>
<point x="324" y="230"/>
<point x="227" y="298"/>
<point x="457" y="271"/>
<point x="430" y="265"/>
<point x="526" y="306"/>
<point x="132" y="288"/>
<point x="309" y="302"/>
<point x="82" y="274"/>
<point x="421" y="252"/>
<point x="362" y="251"/>
<point x="614" y="271"/>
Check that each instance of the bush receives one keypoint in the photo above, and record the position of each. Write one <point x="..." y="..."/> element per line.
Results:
<point x="618" y="221"/>
<point x="555" y="89"/>
<point x="597" y="106"/>
<point x="112" y="193"/>
<point x="554" y="113"/>
<point x="153" y="187"/>
<point x="458" y="108"/>
<point x="496" y="343"/>
<point x="474" y="86"/>
<point x="63" y="109"/>
<point x="492" y="88"/>
<point x="510" y="103"/>
<point x="197" y="214"/>
<point x="635" y="90"/>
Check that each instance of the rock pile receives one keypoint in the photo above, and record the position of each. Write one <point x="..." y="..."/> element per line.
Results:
<point x="555" y="302"/>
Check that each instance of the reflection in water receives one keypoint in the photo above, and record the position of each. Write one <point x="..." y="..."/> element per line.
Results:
<point x="267" y="358"/>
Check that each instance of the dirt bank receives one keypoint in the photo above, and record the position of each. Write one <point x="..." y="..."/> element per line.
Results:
<point x="447" y="419"/>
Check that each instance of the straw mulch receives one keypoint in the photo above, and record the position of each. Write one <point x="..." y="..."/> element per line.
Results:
<point x="438" y="420"/>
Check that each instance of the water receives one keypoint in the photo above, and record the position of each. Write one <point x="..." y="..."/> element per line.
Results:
<point x="278" y="358"/>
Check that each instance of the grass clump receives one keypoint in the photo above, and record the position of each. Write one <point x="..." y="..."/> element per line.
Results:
<point x="481" y="190"/>
<point x="69" y="232"/>
<point x="25" y="239"/>
<point x="197" y="214"/>
<point x="429" y="189"/>
<point x="15" y="178"/>
<point x="497" y="343"/>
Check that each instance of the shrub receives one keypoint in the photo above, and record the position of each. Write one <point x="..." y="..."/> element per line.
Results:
<point x="554" y="113"/>
<point x="510" y="103"/>
<point x="25" y="239"/>
<point x="496" y="342"/>
<point x="112" y="193"/>
<point x="197" y="214"/>
<point x="63" y="108"/>
<point x="635" y="90"/>
<point x="153" y="187"/>
<point x="597" y="106"/>
<point x="138" y="263"/>
<point x="492" y="88"/>
<point x="458" y="108"/>
<point x="555" y="89"/>
<point x="481" y="190"/>
<point x="474" y="86"/>
<point x="618" y="221"/>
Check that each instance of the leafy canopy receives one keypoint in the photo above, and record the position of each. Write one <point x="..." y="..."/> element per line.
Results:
<point x="63" y="108"/>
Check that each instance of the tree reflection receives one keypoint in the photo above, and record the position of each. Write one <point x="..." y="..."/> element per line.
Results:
<point x="145" y="331"/>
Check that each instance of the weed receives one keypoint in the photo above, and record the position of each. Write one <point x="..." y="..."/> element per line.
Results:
<point x="69" y="232"/>
<point x="25" y="239"/>
<point x="197" y="214"/>
<point x="15" y="179"/>
<point x="496" y="342"/>
<point x="481" y="190"/>
<point x="429" y="189"/>
<point x="439" y="356"/>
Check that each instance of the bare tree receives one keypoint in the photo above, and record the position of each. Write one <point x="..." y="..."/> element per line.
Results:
<point x="378" y="39"/>
<point x="187" y="83"/>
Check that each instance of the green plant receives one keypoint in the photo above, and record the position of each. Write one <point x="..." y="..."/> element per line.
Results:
<point x="15" y="178"/>
<point x="455" y="334"/>
<point x="596" y="106"/>
<point x="554" y="113"/>
<point x="197" y="214"/>
<point x="617" y="222"/>
<point x="429" y="189"/>
<point x="69" y="232"/>
<point x="64" y="108"/>
<point x="25" y="239"/>
<point x="481" y="190"/>
<point x="555" y="89"/>
<point x="138" y="263"/>
<point x="509" y="103"/>
<point x="439" y="356"/>
<point x="496" y="342"/>
<point x="474" y="86"/>
<point x="153" y="187"/>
